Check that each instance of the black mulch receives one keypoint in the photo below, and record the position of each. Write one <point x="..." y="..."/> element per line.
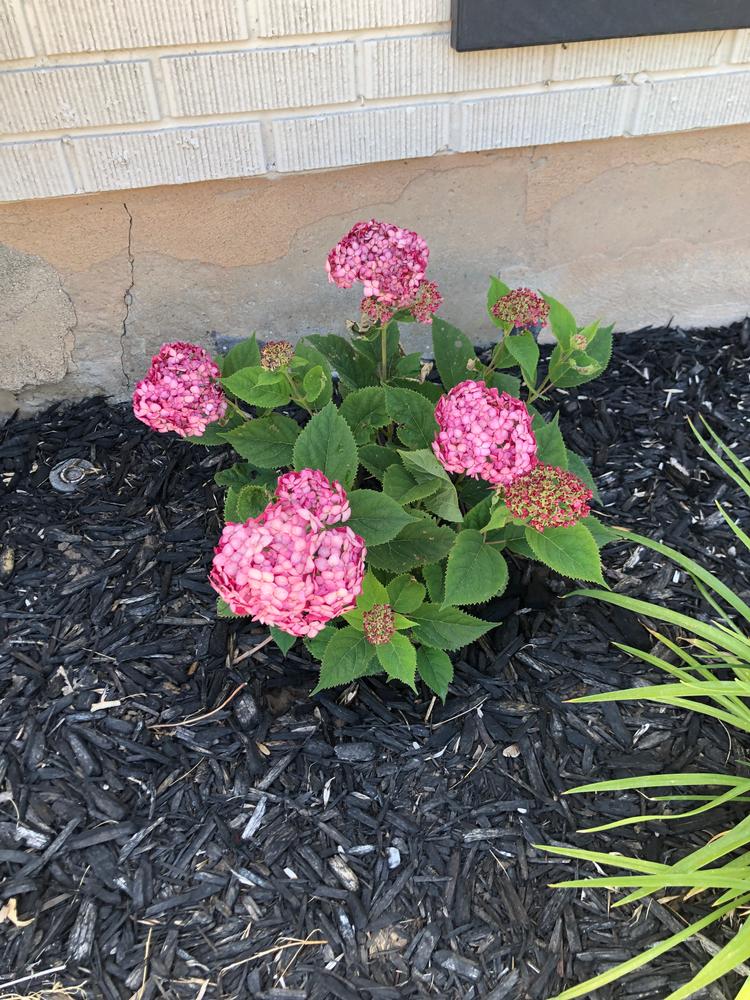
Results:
<point x="178" y="819"/>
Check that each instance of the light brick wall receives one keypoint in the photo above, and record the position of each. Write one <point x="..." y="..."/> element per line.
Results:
<point x="108" y="94"/>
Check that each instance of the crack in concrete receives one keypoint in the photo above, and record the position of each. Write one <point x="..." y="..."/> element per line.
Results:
<point x="128" y="295"/>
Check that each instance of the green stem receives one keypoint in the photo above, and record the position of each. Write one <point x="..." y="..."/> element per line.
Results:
<point x="383" y="351"/>
<point x="296" y="398"/>
<point x="233" y="406"/>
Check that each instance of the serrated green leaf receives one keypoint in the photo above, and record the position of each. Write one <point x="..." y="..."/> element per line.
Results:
<point x="223" y="610"/>
<point x="430" y="390"/>
<point x="306" y="352"/>
<point x="377" y="459"/>
<point x="475" y="571"/>
<point x="409" y="366"/>
<point x="498" y="518"/>
<point x="524" y="348"/>
<point x="405" y="593"/>
<point x="316" y="646"/>
<point x="327" y="443"/>
<point x="364" y="410"/>
<point x="282" y="639"/>
<point x="403" y="487"/>
<point x="243" y="355"/>
<point x="577" y="465"/>
<point x="550" y="446"/>
<point x="399" y="659"/>
<point x="353" y="369"/>
<point x="267" y="442"/>
<point x="601" y="532"/>
<point x="259" y="387"/>
<point x="569" y="551"/>
<point x="369" y="346"/>
<point x="347" y="656"/>
<point x="215" y="431"/>
<point x="455" y="357"/>
<point x="434" y="577"/>
<point x="479" y="514"/>
<point x="239" y="474"/>
<point x="418" y="543"/>
<point x="444" y="502"/>
<point x="244" y="502"/>
<point x="561" y="321"/>
<point x="422" y="464"/>
<point x="446" y="628"/>
<point x="373" y="592"/>
<point x="436" y="670"/>
<point x="599" y="351"/>
<point x="414" y="414"/>
<point x="313" y="383"/>
<point x="505" y="383"/>
<point x="496" y="291"/>
<point x="376" y="517"/>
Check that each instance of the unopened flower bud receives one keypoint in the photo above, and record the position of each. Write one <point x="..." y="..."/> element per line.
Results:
<point x="276" y="354"/>
<point x="548" y="497"/>
<point x="378" y="624"/>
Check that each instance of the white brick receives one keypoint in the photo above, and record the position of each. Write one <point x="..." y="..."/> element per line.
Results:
<point x="73" y="96"/>
<point x="100" y="25"/>
<point x="14" y="40"/>
<point x="302" y="17"/>
<point x="694" y="102"/>
<point x="613" y="56"/>
<point x="168" y="156"/>
<point x="742" y="51"/>
<point x="33" y="170"/>
<point x="258" y="79"/>
<point x="551" y="116"/>
<point x="426" y="64"/>
<point x="337" y="140"/>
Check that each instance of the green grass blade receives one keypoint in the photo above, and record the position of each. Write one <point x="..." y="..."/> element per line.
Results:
<point x="660" y="781"/>
<point x="738" y="478"/>
<point x="602" y="858"/>
<point x="734" y="952"/>
<point x="714" y="803"/>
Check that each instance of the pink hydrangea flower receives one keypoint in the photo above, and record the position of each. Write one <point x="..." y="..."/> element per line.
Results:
<point x="180" y="392"/>
<point x="389" y="261"/>
<point x="426" y="301"/>
<point x="522" y="309"/>
<point x="484" y="434"/>
<point x="548" y="497"/>
<point x="313" y="491"/>
<point x="285" y="568"/>
<point x="379" y="312"/>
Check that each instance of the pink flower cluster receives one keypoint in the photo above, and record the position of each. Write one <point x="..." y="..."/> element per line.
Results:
<point x="522" y="309"/>
<point x="426" y="301"/>
<point x="287" y="567"/>
<point x="379" y="624"/>
<point x="180" y="392"/>
<point x="548" y="497"/>
<point x="484" y="434"/>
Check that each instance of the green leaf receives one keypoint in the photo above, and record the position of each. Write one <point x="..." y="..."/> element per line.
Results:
<point x="430" y="390"/>
<point x="525" y="350"/>
<point x="239" y="474"/>
<point x="282" y="639"/>
<point x="601" y="532"/>
<point x="347" y="656"/>
<point x="455" y="357"/>
<point x="577" y="466"/>
<point x="496" y="291"/>
<point x="354" y="370"/>
<point x="434" y="577"/>
<point x="479" y="514"/>
<point x="475" y="572"/>
<point x="444" y="502"/>
<point x="399" y="659"/>
<point x="267" y="442"/>
<point x="569" y="551"/>
<point x="316" y="646"/>
<point x="369" y="346"/>
<point x="364" y="410"/>
<point x="223" y="610"/>
<point x="514" y="538"/>
<point x="418" y="543"/>
<point x="561" y="321"/>
<point x="373" y="592"/>
<point x="402" y="486"/>
<point x="436" y="670"/>
<point x="446" y="628"/>
<point x="505" y="383"/>
<point x="258" y="387"/>
<point x="244" y="502"/>
<point x="599" y="352"/>
<point x="243" y="355"/>
<point x="313" y="383"/>
<point x="550" y="447"/>
<point x="498" y="518"/>
<point x="305" y="351"/>
<point x="215" y="431"/>
<point x="405" y="593"/>
<point x="422" y="464"/>
<point x="414" y="413"/>
<point x="376" y="516"/>
<point x="327" y="443"/>
<point x="376" y="458"/>
<point x="410" y="365"/>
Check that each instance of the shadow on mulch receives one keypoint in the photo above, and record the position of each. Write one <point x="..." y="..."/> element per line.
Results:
<point x="178" y="819"/>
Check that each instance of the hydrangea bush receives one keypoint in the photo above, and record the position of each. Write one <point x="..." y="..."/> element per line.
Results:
<point x="377" y="497"/>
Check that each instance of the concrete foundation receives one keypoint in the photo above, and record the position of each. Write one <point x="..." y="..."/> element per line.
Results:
<point x="636" y="231"/>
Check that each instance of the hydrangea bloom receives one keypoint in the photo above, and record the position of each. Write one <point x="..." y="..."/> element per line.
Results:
<point x="285" y="568"/>
<point x="522" y="309"/>
<point x="180" y="392"/>
<point x="379" y="312"/>
<point x="378" y="624"/>
<point x="548" y="497"/>
<point x="276" y="354"/>
<point x="426" y="301"/>
<point x="313" y="491"/>
<point x="484" y="433"/>
<point x="389" y="261"/>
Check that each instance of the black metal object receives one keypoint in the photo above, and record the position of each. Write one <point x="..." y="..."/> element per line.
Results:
<point x="499" y="24"/>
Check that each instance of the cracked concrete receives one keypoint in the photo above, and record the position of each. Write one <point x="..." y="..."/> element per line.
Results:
<point x="637" y="231"/>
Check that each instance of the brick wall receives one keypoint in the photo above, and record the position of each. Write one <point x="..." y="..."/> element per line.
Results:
<point x="99" y="95"/>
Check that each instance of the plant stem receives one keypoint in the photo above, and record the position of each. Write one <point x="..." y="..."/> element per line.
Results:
<point x="299" y="400"/>
<point x="383" y="351"/>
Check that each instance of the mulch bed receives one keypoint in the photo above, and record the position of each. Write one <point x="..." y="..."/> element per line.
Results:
<point x="179" y="819"/>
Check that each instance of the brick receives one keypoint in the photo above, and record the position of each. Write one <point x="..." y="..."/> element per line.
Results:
<point x="259" y="79"/>
<point x="33" y="170"/>
<point x="101" y="25"/>
<point x="426" y="64"/>
<point x="337" y="140"/>
<point x="742" y="49"/>
<point x="167" y="156"/>
<point x="303" y="17"/>
<point x="14" y="40"/>
<point x="64" y="97"/>
<point x="614" y="56"/>
<point x="545" y="117"/>
<point x="693" y="102"/>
